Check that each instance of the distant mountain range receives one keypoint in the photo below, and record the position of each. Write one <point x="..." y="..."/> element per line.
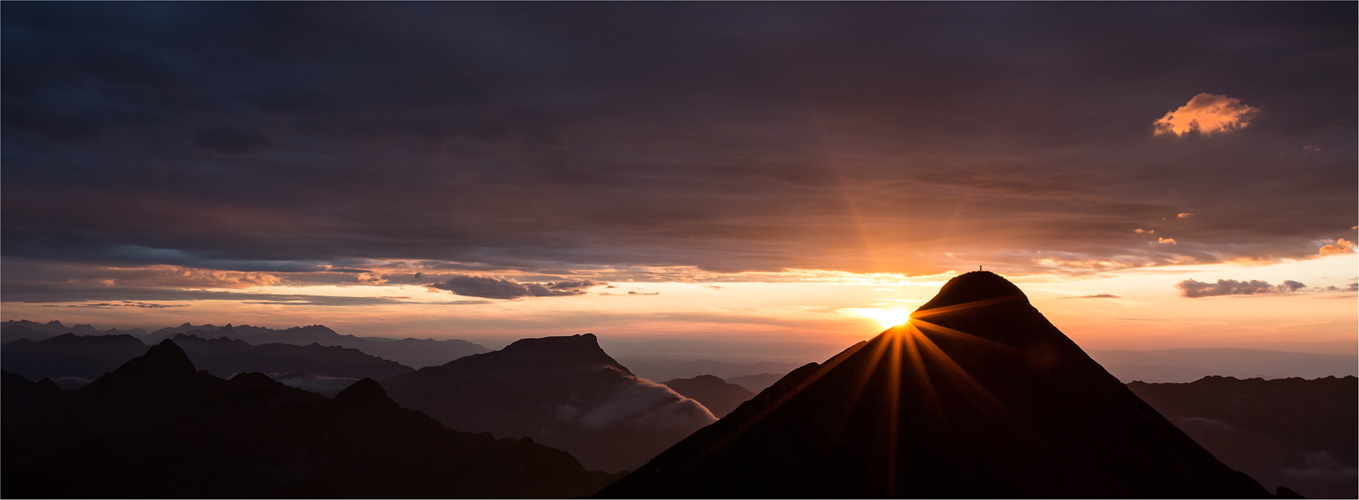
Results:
<point x="714" y="393"/>
<point x="1288" y="432"/>
<point x="564" y="392"/>
<point x="24" y="329"/>
<point x="757" y="382"/>
<point x="411" y="352"/>
<point x="69" y="356"/>
<point x="978" y="396"/>
<point x="654" y="368"/>
<point x="157" y="428"/>
<point x="74" y="360"/>
<point x="1188" y="365"/>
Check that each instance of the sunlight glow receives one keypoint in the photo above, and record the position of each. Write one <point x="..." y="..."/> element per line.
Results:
<point x="887" y="318"/>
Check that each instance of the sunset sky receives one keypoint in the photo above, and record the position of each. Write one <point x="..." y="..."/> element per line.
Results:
<point x="1152" y="175"/>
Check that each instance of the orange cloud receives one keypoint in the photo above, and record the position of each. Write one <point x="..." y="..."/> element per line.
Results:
<point x="1166" y="241"/>
<point x="1206" y="114"/>
<point x="1341" y="246"/>
<point x="1185" y="215"/>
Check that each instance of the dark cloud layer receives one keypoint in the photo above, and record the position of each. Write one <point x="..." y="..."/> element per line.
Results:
<point x="476" y="137"/>
<point x="495" y="288"/>
<point x="1194" y="288"/>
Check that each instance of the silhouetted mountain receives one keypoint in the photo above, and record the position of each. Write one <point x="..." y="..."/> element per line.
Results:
<point x="419" y="353"/>
<point x="54" y="328"/>
<point x="670" y="368"/>
<point x="225" y="357"/>
<point x="410" y="352"/>
<point x="24" y="398"/>
<point x="978" y="396"/>
<point x="714" y="393"/>
<point x="756" y="383"/>
<point x="743" y="351"/>
<point x="69" y="355"/>
<point x="1293" y="432"/>
<point x="18" y="332"/>
<point x="1188" y="365"/>
<point x="155" y="428"/>
<point x="564" y="392"/>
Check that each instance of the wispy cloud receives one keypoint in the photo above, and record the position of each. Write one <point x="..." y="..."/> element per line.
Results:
<point x="125" y="303"/>
<point x="1095" y="296"/>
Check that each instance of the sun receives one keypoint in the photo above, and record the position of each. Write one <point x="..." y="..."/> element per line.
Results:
<point x="887" y="318"/>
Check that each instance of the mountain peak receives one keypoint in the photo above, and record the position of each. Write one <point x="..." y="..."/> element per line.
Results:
<point x="164" y="365"/>
<point x="979" y="397"/>
<point x="165" y="359"/>
<point x="976" y="286"/>
<point x="365" y="393"/>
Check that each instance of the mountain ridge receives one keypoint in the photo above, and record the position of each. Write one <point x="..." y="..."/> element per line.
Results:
<point x="565" y="392"/>
<point x="977" y="396"/>
<point x="157" y="428"/>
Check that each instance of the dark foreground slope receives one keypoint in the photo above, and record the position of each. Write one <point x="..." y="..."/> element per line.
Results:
<point x="156" y="428"/>
<point x="1287" y="432"/>
<point x="979" y="396"/>
<point x="564" y="392"/>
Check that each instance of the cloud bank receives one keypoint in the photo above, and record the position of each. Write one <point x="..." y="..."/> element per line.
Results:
<point x="491" y="140"/>
<point x="1195" y="289"/>
<point x="641" y="405"/>
<point x="495" y="288"/>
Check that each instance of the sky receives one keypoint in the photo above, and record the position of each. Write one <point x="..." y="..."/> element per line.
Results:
<point x="1153" y="175"/>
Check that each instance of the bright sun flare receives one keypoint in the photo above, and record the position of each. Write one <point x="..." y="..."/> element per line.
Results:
<point x="886" y="317"/>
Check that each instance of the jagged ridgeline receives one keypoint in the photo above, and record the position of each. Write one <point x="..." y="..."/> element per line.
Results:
<point x="158" y="428"/>
<point x="978" y="396"/>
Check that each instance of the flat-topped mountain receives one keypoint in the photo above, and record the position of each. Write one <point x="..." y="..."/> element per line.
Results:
<point x="977" y="396"/>
<point x="157" y="428"/>
<point x="564" y="392"/>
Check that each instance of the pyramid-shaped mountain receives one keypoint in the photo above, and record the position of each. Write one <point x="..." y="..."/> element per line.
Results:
<point x="563" y="392"/>
<point x="978" y="396"/>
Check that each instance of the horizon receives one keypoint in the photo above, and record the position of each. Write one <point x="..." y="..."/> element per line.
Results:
<point x="738" y="173"/>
